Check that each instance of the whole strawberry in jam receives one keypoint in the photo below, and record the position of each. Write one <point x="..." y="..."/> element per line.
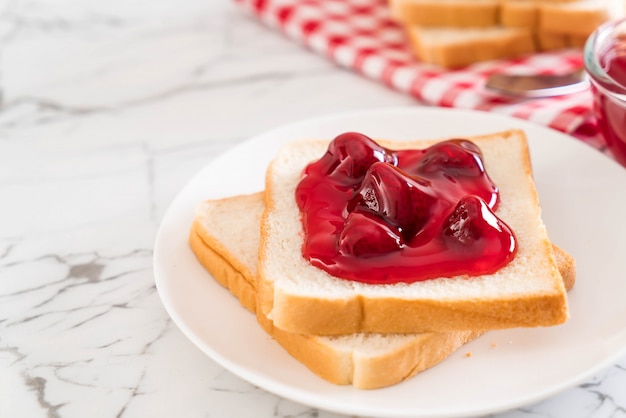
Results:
<point x="399" y="200"/>
<point x="365" y="235"/>
<point x="458" y="166"/>
<point x="349" y="156"/>
<point x="473" y="226"/>
<point x="455" y="156"/>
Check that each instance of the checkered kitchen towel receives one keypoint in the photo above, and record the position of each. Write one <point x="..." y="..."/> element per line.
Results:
<point x="360" y="35"/>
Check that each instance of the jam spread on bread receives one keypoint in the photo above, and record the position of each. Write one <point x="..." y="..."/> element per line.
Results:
<point x="377" y="215"/>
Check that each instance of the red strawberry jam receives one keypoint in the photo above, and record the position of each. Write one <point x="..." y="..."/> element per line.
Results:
<point x="610" y="94"/>
<point x="377" y="215"/>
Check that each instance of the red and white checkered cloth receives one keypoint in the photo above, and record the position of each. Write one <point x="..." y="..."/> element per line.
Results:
<point x="360" y="35"/>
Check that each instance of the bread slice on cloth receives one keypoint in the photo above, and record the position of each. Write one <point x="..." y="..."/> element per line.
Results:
<point x="457" y="33"/>
<point x="548" y="41"/>
<point x="527" y="13"/>
<point x="300" y="298"/>
<point x="455" y="13"/>
<point x="478" y="13"/>
<point x="576" y="18"/>
<point x="225" y="237"/>
<point x="453" y="47"/>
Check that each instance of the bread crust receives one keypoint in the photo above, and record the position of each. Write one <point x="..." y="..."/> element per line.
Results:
<point x="367" y="310"/>
<point x="571" y="20"/>
<point x="519" y="13"/>
<point x="420" y="352"/>
<point x="389" y="315"/>
<point x="223" y="267"/>
<point x="452" y="13"/>
<point x="567" y="266"/>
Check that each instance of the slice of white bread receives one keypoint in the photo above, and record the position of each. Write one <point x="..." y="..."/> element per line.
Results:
<point x="520" y="13"/>
<point x="578" y="18"/>
<point x="548" y="41"/>
<point x="454" y="13"/>
<point x="300" y="298"/>
<point x="225" y="236"/>
<point x="456" y="33"/>
<point x="527" y="13"/>
<point x="458" y="47"/>
<point x="554" y="30"/>
<point x="472" y="13"/>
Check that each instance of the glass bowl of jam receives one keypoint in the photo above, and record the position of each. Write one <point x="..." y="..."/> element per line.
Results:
<point x="605" y="62"/>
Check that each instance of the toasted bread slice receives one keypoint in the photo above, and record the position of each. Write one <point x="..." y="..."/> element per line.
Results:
<point x="225" y="238"/>
<point x="300" y="298"/>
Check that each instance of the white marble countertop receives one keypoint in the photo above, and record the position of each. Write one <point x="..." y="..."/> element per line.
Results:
<point x="108" y="109"/>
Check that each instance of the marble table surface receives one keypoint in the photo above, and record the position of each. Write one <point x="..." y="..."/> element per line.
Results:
<point x="108" y="109"/>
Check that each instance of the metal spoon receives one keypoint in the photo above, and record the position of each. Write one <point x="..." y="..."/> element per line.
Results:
<point x="540" y="85"/>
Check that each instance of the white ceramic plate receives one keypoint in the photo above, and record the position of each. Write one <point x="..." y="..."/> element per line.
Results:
<point x="583" y="195"/>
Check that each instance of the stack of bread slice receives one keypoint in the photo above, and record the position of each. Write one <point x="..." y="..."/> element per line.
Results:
<point x="373" y="336"/>
<point x="456" y="33"/>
